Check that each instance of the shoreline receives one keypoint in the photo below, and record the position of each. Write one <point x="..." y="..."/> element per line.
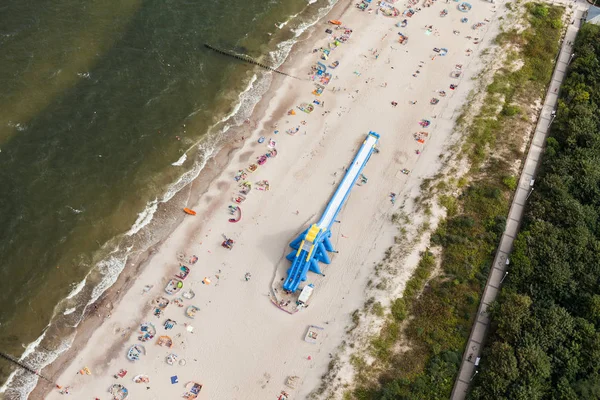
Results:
<point x="110" y="299"/>
<point x="326" y="148"/>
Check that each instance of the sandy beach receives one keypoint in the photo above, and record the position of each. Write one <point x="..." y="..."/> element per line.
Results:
<point x="242" y="346"/>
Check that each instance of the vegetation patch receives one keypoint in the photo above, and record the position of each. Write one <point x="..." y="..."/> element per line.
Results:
<point x="417" y="353"/>
<point x="545" y="341"/>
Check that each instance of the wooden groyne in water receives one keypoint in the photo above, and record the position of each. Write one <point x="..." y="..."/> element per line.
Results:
<point x="246" y="59"/>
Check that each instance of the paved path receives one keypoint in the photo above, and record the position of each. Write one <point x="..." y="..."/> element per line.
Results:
<point x="468" y="368"/>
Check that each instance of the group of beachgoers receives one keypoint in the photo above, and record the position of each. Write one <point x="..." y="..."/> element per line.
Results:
<point x="321" y="75"/>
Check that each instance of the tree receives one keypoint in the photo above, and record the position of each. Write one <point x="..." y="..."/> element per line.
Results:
<point x="511" y="316"/>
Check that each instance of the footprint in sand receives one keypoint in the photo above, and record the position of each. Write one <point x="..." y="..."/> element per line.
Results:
<point x="267" y="378"/>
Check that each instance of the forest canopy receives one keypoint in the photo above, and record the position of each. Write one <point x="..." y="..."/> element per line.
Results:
<point x="545" y="340"/>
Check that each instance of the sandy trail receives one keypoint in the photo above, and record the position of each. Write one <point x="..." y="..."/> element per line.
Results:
<point x="243" y="347"/>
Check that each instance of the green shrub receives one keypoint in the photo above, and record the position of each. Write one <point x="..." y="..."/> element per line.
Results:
<point x="510" y="110"/>
<point x="540" y="11"/>
<point x="399" y="309"/>
<point x="377" y="309"/>
<point x="510" y="182"/>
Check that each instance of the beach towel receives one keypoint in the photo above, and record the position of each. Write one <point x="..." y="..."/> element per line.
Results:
<point x="174" y="379"/>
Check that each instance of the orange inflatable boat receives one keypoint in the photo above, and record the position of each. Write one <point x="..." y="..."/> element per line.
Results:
<point x="189" y="211"/>
<point x="335" y="22"/>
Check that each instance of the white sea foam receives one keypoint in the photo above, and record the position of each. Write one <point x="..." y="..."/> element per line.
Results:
<point x="24" y="382"/>
<point x="144" y="218"/>
<point x="110" y="269"/>
<point x="206" y="150"/>
<point x="31" y="347"/>
<point x="238" y="105"/>
<point x="76" y="211"/>
<point x="18" y="388"/>
<point x="181" y="160"/>
<point x="284" y="48"/>
<point x="320" y="14"/>
<point x="8" y="381"/>
<point x="291" y="17"/>
<point x="69" y="311"/>
<point x="77" y="289"/>
<point x="17" y="125"/>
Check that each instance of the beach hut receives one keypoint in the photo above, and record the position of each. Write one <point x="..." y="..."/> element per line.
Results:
<point x="184" y="271"/>
<point x="135" y="351"/>
<point x="178" y="302"/>
<point x="169" y="324"/>
<point x="160" y="303"/>
<point x="193" y="390"/>
<point x="141" y="379"/>
<point x="172" y="359"/>
<point x="118" y="391"/>
<point x="292" y="381"/>
<point x="191" y="311"/>
<point x="174" y="286"/>
<point x="238" y="217"/>
<point x="165" y="341"/>
<point x="312" y="334"/>
<point x="147" y="332"/>
<point x="464" y="7"/>
<point x="251" y="168"/>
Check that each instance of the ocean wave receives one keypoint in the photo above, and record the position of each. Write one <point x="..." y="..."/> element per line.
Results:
<point x="181" y="160"/>
<point x="28" y="350"/>
<point x="32" y="346"/>
<point x="144" y="218"/>
<point x="77" y="289"/>
<point x="320" y="14"/>
<point x="284" y="48"/>
<point x="206" y="151"/>
<point x="21" y="383"/>
<point x="9" y="380"/>
<point x="110" y="269"/>
<point x="241" y="98"/>
<point x="291" y="17"/>
<point x="69" y="311"/>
